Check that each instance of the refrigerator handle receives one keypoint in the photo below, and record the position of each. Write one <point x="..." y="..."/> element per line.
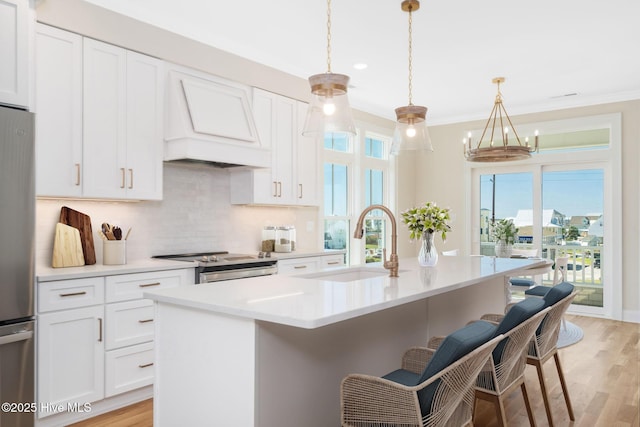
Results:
<point x="20" y="336"/>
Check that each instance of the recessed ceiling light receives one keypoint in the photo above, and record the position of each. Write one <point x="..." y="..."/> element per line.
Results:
<point x="360" y="66"/>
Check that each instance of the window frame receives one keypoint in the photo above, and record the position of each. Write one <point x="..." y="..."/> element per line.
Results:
<point x="357" y="163"/>
<point x="608" y="159"/>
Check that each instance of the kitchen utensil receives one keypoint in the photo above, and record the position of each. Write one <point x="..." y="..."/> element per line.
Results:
<point x="108" y="231"/>
<point x="117" y="233"/>
<point x="67" y="247"/>
<point x="127" y="236"/>
<point x="82" y="223"/>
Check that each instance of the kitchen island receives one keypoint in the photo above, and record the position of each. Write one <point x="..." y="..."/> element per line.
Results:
<point x="271" y="351"/>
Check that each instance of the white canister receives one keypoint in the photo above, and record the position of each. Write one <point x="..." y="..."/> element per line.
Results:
<point x="285" y="236"/>
<point x="114" y="252"/>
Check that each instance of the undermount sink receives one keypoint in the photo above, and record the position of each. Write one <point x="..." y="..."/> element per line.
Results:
<point x="347" y="274"/>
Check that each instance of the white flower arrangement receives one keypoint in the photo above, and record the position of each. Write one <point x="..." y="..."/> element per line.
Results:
<point x="505" y="230"/>
<point x="428" y="218"/>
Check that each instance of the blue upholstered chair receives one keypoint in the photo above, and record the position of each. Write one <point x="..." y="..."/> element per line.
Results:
<point x="433" y="387"/>
<point x="557" y="299"/>
<point x="505" y="370"/>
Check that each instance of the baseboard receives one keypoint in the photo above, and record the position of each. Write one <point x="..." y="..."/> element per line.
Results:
<point x="631" y="316"/>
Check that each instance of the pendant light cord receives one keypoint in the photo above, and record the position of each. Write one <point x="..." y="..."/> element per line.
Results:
<point x="410" y="55"/>
<point x="328" y="36"/>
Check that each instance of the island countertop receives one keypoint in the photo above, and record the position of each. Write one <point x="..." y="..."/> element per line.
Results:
<point x="318" y="299"/>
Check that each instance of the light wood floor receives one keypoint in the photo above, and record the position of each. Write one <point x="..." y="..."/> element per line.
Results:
<point x="602" y="373"/>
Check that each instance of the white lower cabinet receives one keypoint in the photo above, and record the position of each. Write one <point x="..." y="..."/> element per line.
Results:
<point x="128" y="368"/>
<point x="309" y="264"/>
<point x="95" y="337"/>
<point x="70" y="358"/>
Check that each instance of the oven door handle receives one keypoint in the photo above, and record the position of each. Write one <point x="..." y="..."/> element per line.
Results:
<point x="240" y="273"/>
<point x="15" y="337"/>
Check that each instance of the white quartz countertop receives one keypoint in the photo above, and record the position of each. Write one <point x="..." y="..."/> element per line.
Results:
<point x="318" y="300"/>
<point x="46" y="273"/>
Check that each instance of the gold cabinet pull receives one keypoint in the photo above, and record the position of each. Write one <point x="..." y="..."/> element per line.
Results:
<point x="146" y="365"/>
<point x="73" y="294"/>
<point x="275" y="189"/>
<point x="77" y="173"/>
<point x="145" y="320"/>
<point x="146" y="285"/>
<point x="333" y="262"/>
<point x="130" y="179"/>
<point x="298" y="267"/>
<point x="100" y="326"/>
<point x="122" y="174"/>
<point x="300" y="188"/>
<point x="279" y="188"/>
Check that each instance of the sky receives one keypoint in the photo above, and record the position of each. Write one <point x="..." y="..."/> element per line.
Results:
<point x="568" y="192"/>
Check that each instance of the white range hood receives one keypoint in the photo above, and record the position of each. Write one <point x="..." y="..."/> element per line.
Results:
<point x="209" y="119"/>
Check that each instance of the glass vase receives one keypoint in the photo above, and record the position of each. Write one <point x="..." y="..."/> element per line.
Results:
<point x="503" y="249"/>
<point x="428" y="256"/>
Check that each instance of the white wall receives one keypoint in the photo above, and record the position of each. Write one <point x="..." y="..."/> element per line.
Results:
<point x="195" y="215"/>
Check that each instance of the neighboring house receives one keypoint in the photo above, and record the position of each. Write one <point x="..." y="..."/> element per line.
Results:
<point x="596" y="231"/>
<point x="552" y="224"/>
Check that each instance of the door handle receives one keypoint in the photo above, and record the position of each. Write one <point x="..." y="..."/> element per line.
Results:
<point x="100" y="330"/>
<point x="122" y="184"/>
<point x="300" y="187"/>
<point x="275" y="189"/>
<point x="77" y="174"/>
<point x="130" y="179"/>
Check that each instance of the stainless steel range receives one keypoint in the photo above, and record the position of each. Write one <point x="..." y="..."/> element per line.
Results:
<point x="217" y="266"/>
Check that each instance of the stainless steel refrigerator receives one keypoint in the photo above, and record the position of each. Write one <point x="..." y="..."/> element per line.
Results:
<point x="17" y="272"/>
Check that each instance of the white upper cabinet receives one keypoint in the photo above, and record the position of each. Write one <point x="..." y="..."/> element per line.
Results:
<point x="292" y="178"/>
<point x="100" y="119"/>
<point x="307" y="163"/>
<point x="14" y="51"/>
<point x="58" y="105"/>
<point x="122" y="123"/>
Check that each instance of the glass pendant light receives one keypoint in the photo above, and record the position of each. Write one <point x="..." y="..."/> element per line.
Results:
<point x="329" y="110"/>
<point x="411" y="131"/>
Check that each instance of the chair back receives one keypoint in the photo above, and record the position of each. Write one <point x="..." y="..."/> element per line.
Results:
<point x="547" y="334"/>
<point x="453" y="400"/>
<point x="560" y="270"/>
<point x="454" y="346"/>
<point x="509" y="358"/>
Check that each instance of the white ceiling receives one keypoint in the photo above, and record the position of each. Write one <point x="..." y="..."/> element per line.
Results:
<point x="546" y="49"/>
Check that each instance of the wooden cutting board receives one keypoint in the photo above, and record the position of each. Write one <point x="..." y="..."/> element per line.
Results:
<point x="82" y="222"/>
<point x="67" y="249"/>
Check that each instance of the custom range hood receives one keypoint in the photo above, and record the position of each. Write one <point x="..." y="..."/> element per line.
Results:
<point x="209" y="119"/>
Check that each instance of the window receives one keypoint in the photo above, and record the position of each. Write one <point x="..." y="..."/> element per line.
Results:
<point x="565" y="200"/>
<point x="356" y="175"/>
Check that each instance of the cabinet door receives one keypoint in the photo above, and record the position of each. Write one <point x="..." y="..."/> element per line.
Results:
<point x="294" y="266"/>
<point x="58" y="106"/>
<point x="129" y="368"/>
<point x="104" y="136"/>
<point x="70" y="357"/>
<point x="145" y="107"/>
<point x="285" y="136"/>
<point x="129" y="323"/>
<point x="14" y="27"/>
<point x="307" y="165"/>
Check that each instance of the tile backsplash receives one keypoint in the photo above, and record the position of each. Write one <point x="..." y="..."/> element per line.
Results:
<point x="195" y="215"/>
